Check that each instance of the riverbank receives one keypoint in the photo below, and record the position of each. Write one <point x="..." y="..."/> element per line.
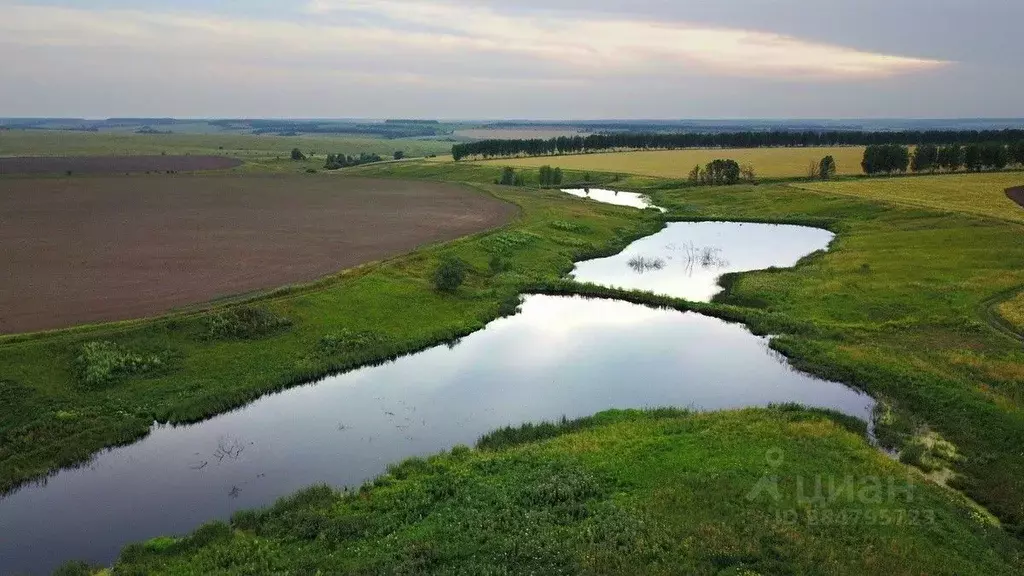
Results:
<point x="662" y="492"/>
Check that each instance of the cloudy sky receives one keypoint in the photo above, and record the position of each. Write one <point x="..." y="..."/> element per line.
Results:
<point x="549" y="59"/>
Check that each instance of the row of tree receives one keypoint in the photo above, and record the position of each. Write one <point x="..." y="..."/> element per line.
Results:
<point x="338" y="161"/>
<point x="752" y="139"/>
<point x="890" y="158"/>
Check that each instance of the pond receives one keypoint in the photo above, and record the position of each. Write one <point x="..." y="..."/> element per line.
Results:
<point x="559" y="356"/>
<point x="686" y="259"/>
<point x="629" y="199"/>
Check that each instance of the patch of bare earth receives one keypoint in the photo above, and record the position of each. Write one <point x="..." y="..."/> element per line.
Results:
<point x="1017" y="195"/>
<point x="87" y="250"/>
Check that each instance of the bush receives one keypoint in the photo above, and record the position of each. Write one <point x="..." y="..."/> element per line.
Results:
<point x="497" y="265"/>
<point x="297" y="155"/>
<point x="103" y="363"/>
<point x="450" y="274"/>
<point x="245" y="323"/>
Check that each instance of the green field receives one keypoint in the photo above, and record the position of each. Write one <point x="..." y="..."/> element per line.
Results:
<point x="662" y="492"/>
<point x="982" y="194"/>
<point x="767" y="162"/>
<point x="904" y="306"/>
<point x="245" y="146"/>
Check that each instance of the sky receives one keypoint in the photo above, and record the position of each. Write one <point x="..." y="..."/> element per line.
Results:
<point x="524" y="59"/>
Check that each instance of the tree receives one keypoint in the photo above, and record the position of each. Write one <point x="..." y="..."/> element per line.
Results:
<point x="399" y="155"/>
<point x="722" y="172"/>
<point x="508" y="176"/>
<point x="695" y="175"/>
<point x="887" y="158"/>
<point x="1017" y="152"/>
<point x="748" y="174"/>
<point x="972" y="158"/>
<point x="950" y="157"/>
<point x="925" y="158"/>
<point x="450" y="274"/>
<point x="827" y="168"/>
<point x="297" y="155"/>
<point x="556" y="177"/>
<point x="994" y="156"/>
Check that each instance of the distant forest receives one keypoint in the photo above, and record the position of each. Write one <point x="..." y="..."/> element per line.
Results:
<point x="656" y="141"/>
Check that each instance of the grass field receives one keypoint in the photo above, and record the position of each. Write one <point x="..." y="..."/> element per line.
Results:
<point x="767" y="162"/>
<point x="1013" y="311"/>
<point x="244" y="146"/>
<point x="982" y="194"/>
<point x="661" y="492"/>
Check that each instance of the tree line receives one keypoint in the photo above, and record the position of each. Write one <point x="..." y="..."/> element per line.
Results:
<point x="338" y="161"/>
<point x="893" y="158"/>
<point x="667" y="141"/>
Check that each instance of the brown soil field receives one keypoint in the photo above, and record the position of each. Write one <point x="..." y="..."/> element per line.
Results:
<point x="113" y="164"/>
<point x="88" y="250"/>
<point x="1017" y="195"/>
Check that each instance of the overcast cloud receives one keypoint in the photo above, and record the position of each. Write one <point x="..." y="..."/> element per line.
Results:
<point x="559" y="59"/>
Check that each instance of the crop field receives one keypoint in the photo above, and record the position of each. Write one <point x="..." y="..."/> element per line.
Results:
<point x="92" y="249"/>
<point x="981" y="194"/>
<point x="69" y="143"/>
<point x="113" y="164"/>
<point x="767" y="162"/>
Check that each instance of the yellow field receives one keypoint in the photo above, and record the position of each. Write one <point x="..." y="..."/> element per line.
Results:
<point x="1013" y="310"/>
<point x="983" y="194"/>
<point x="767" y="162"/>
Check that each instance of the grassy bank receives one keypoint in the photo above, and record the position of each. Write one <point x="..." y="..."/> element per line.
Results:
<point x="898" y="307"/>
<point x="69" y="394"/>
<point x="662" y="492"/>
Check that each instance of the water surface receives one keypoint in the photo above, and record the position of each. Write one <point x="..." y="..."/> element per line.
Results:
<point x="686" y="259"/>
<point x="559" y="356"/>
<point x="630" y="199"/>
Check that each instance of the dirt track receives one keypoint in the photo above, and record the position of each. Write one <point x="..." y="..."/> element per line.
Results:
<point x="113" y="164"/>
<point x="1017" y="195"/>
<point x="83" y="250"/>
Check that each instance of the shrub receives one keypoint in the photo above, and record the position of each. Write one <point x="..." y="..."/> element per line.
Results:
<point x="245" y="323"/>
<point x="497" y="265"/>
<point x="450" y="274"/>
<point x="297" y="154"/>
<point x="102" y="363"/>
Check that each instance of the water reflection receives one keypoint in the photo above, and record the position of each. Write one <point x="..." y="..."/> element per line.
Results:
<point x="631" y="199"/>
<point x="559" y="356"/>
<point x="686" y="259"/>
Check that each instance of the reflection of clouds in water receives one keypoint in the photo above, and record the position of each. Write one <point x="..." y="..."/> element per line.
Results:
<point x="695" y="256"/>
<point x="630" y="199"/>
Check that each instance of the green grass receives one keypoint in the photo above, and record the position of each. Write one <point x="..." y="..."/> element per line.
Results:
<point x="897" y="307"/>
<point x="244" y="146"/>
<point x="224" y="358"/>
<point x="662" y="492"/>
